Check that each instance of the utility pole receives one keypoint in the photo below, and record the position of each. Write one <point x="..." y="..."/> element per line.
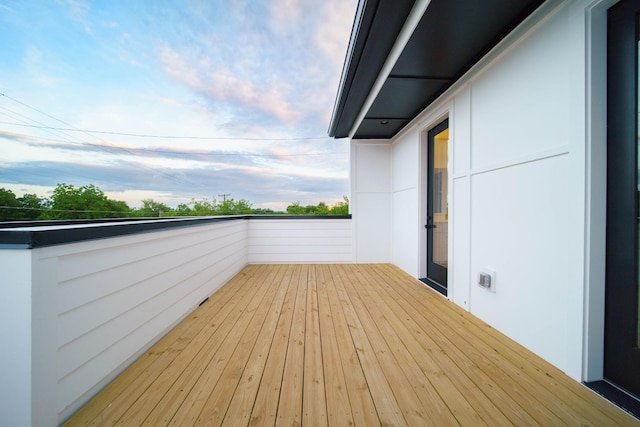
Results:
<point x="224" y="196"/>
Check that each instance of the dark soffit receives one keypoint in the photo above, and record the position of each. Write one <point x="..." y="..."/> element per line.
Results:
<point x="450" y="38"/>
<point x="376" y="26"/>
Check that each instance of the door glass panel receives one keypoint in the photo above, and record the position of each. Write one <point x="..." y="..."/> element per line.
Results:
<point x="440" y="199"/>
<point x="637" y="166"/>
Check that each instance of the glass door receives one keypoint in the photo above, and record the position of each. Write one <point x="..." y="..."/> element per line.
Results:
<point x="622" y="321"/>
<point x="438" y="207"/>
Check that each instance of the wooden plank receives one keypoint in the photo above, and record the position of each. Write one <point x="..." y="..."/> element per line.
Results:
<point x="441" y="332"/>
<point x="365" y="345"/>
<point x="362" y="407"/>
<point x="199" y="356"/>
<point x="290" y="404"/>
<point x="389" y="411"/>
<point x="475" y="385"/>
<point x="165" y="381"/>
<point x="516" y="367"/>
<point x="117" y="397"/>
<point x="314" y="406"/>
<point x="216" y="405"/>
<point x="445" y="403"/>
<point x="402" y="387"/>
<point x="265" y="407"/>
<point x="208" y="374"/>
<point x="337" y="397"/>
<point x="466" y="399"/>
<point x="244" y="396"/>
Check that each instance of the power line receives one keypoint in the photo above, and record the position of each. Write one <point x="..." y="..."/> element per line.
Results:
<point x="105" y="146"/>
<point x="141" y="135"/>
<point x="112" y="148"/>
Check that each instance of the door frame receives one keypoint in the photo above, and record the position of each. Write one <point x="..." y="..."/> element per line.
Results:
<point x="441" y="116"/>
<point x="621" y="287"/>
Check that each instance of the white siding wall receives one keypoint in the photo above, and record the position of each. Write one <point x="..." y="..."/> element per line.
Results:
<point x="115" y="297"/>
<point x="517" y="189"/>
<point x="15" y="330"/>
<point x="300" y="241"/>
<point x="76" y="315"/>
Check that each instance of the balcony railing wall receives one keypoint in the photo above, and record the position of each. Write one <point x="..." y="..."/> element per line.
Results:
<point x="77" y="314"/>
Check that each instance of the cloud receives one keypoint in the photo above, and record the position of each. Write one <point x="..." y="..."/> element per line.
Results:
<point x="79" y="10"/>
<point x="331" y="38"/>
<point x="230" y="69"/>
<point x="182" y="185"/>
<point x="273" y="155"/>
<point x="223" y="86"/>
<point x="38" y="67"/>
<point x="284" y="15"/>
<point x="281" y="63"/>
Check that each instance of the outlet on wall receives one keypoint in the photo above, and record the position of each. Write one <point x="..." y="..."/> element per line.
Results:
<point x="487" y="279"/>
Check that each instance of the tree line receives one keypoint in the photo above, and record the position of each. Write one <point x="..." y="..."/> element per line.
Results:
<point x="89" y="202"/>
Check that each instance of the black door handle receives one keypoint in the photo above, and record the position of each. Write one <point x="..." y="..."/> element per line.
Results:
<point x="430" y="224"/>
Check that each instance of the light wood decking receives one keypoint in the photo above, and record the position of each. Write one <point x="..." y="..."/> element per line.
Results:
<point x="340" y="345"/>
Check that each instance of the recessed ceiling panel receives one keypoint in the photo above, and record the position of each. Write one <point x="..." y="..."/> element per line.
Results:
<point x="377" y="128"/>
<point x="454" y="34"/>
<point x="400" y="98"/>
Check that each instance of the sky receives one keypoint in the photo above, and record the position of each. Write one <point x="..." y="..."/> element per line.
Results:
<point x="174" y="100"/>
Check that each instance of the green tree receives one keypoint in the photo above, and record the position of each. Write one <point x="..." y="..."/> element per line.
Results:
<point x="233" y="207"/>
<point x="340" y="208"/>
<point x="203" y="207"/>
<point x="86" y="202"/>
<point x="321" y="209"/>
<point x="151" y="208"/>
<point x="183" y="209"/>
<point x="8" y="205"/>
<point x="266" y="211"/>
<point x="31" y="206"/>
<point x="295" y="209"/>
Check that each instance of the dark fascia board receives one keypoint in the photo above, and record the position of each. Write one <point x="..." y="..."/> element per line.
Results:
<point x="377" y="25"/>
<point x="356" y="44"/>
<point x="480" y="27"/>
<point x="37" y="234"/>
<point x="364" y="62"/>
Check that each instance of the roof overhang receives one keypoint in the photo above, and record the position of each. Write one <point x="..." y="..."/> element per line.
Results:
<point x="403" y="54"/>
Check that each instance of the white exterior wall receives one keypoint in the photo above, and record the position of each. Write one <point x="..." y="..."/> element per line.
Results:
<point x="518" y="190"/>
<point x="15" y="330"/>
<point x="76" y="315"/>
<point x="300" y="241"/>
<point x="371" y="200"/>
<point x="115" y="297"/>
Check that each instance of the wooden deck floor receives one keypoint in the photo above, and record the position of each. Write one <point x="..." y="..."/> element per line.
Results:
<point x="340" y="345"/>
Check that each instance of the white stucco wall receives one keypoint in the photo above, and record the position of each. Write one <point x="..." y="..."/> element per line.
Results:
<point x="518" y="190"/>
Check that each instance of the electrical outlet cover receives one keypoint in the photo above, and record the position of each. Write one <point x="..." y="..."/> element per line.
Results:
<point x="491" y="279"/>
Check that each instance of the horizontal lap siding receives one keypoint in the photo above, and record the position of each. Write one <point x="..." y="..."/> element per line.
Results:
<point x="115" y="297"/>
<point x="300" y="241"/>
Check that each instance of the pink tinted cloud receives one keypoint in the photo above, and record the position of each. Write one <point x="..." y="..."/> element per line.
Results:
<point x="223" y="85"/>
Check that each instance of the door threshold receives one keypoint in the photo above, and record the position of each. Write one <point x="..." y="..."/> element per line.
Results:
<point x="434" y="285"/>
<point x="622" y="399"/>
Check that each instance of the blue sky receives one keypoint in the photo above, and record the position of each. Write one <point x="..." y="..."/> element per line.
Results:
<point x="174" y="100"/>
